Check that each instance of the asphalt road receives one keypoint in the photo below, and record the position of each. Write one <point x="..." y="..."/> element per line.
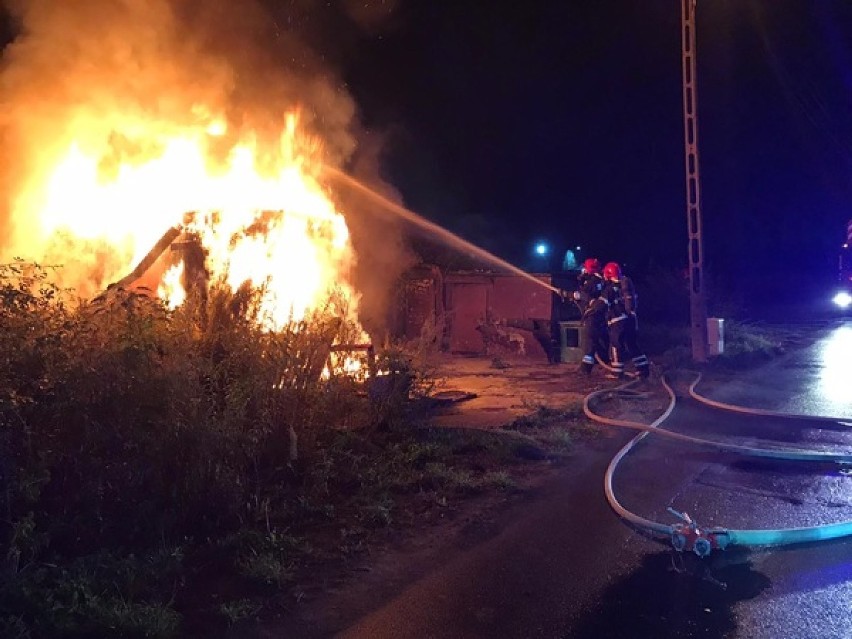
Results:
<point x="562" y="565"/>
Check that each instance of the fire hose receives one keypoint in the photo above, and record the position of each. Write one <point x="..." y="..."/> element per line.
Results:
<point x="687" y="534"/>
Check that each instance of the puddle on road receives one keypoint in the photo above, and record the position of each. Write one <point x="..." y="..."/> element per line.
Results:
<point x="655" y="601"/>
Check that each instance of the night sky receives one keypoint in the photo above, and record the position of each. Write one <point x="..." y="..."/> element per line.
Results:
<point x="512" y="122"/>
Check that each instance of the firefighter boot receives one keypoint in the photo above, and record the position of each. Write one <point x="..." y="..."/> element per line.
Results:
<point x="617" y="371"/>
<point x="643" y="366"/>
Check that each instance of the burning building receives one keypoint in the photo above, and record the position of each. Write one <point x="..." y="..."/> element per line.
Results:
<point x="124" y="120"/>
<point x="164" y="145"/>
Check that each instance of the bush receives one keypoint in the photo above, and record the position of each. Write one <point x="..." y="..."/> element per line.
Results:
<point x="748" y="344"/>
<point x="124" y="425"/>
<point x="406" y="372"/>
<point x="101" y="595"/>
<point x="129" y="424"/>
<point x="128" y="430"/>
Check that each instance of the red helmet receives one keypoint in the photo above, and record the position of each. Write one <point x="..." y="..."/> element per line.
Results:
<point x="592" y="265"/>
<point x="612" y="271"/>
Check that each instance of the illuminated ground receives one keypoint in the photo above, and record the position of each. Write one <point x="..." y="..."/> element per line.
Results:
<point x="509" y="389"/>
<point x="555" y="561"/>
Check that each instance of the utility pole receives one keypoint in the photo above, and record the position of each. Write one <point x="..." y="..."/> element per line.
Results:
<point x="697" y="300"/>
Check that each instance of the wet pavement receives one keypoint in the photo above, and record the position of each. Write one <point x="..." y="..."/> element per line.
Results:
<point x="812" y="381"/>
<point x="561" y="564"/>
<point x="808" y="589"/>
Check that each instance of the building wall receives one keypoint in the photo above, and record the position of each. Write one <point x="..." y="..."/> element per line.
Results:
<point x="420" y="303"/>
<point x="483" y="313"/>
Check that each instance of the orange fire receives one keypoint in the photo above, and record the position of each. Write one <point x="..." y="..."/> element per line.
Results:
<point x="257" y="206"/>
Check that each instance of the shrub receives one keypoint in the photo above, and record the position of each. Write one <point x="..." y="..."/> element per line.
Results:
<point x="135" y="424"/>
<point x="406" y="372"/>
<point x="748" y="344"/>
<point x="124" y="425"/>
<point x="127" y="428"/>
<point x="101" y="595"/>
<point x="239" y="610"/>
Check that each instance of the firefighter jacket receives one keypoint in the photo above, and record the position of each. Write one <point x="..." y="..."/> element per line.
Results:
<point x="590" y="298"/>
<point x="622" y="299"/>
<point x="590" y="286"/>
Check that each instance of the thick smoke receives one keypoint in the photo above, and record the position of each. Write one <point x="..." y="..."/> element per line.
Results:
<point x="376" y="235"/>
<point x="105" y="67"/>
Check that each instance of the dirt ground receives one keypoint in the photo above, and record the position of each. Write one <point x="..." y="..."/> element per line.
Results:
<point x="506" y="389"/>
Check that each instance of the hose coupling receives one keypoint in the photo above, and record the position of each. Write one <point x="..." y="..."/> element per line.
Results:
<point x="689" y="536"/>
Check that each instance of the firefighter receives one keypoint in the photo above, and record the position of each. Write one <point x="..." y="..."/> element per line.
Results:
<point x="588" y="281"/>
<point x="592" y="303"/>
<point x="622" y="322"/>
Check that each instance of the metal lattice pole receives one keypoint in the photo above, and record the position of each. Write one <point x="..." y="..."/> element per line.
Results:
<point x="697" y="301"/>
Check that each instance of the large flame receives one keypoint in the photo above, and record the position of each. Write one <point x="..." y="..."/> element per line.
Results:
<point x="260" y="213"/>
<point x="121" y="120"/>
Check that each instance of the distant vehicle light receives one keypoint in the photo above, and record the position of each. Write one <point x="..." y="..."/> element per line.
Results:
<point x="842" y="299"/>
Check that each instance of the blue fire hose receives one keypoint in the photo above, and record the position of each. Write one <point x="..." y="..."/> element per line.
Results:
<point x="687" y="534"/>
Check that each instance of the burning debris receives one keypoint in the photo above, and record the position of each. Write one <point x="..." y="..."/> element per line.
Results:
<point x="150" y="258"/>
<point x="277" y="231"/>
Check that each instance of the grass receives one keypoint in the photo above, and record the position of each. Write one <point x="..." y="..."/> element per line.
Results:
<point x="555" y="428"/>
<point x="543" y="416"/>
<point x="239" y="610"/>
<point x="747" y="344"/>
<point x="362" y="485"/>
<point x="500" y="480"/>
<point x="266" y="567"/>
<point x="560" y="440"/>
<point x="102" y="595"/>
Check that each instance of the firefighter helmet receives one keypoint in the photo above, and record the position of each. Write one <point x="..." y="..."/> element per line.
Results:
<point x="592" y="265"/>
<point x="612" y="271"/>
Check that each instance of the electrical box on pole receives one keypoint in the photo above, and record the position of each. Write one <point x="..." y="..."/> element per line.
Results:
<point x="697" y="301"/>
